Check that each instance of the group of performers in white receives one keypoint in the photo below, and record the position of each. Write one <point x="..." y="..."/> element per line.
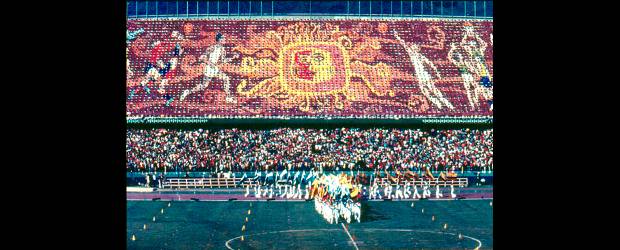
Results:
<point x="333" y="211"/>
<point x="338" y="196"/>
<point x="408" y="190"/>
<point x="283" y="184"/>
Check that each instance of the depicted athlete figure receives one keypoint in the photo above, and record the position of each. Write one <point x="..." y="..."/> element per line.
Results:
<point x="426" y="81"/>
<point x="130" y="37"/>
<point x="475" y="48"/>
<point x="213" y="57"/>
<point x="471" y="88"/>
<point x="162" y="65"/>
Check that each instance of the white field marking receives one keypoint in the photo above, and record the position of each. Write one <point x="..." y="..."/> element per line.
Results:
<point x="347" y="231"/>
<point x="363" y="229"/>
<point x="283" y="231"/>
<point x="423" y="231"/>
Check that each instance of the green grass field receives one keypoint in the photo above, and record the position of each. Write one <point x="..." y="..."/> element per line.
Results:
<point x="296" y="225"/>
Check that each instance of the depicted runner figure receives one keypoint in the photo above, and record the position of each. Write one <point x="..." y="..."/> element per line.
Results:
<point x="162" y="64"/>
<point x="426" y="82"/>
<point x="213" y="57"/>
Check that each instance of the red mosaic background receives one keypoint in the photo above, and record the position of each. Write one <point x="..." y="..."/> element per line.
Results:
<point x="382" y="78"/>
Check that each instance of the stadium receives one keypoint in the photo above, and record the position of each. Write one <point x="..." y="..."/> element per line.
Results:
<point x="309" y="124"/>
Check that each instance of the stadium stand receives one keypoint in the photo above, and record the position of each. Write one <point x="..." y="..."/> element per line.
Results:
<point x="239" y="150"/>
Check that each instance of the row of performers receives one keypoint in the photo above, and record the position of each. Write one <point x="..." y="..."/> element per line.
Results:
<point x="342" y="186"/>
<point x="301" y="177"/>
<point x="405" y="191"/>
<point x="315" y="184"/>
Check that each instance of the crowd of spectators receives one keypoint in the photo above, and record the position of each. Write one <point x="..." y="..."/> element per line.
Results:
<point x="237" y="150"/>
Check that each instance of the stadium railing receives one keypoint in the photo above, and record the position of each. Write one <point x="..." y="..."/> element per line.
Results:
<point x="205" y="182"/>
<point x="459" y="182"/>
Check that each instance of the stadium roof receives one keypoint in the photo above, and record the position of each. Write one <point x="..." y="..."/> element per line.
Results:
<point x="186" y="9"/>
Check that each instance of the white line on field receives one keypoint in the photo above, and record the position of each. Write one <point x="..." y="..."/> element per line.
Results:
<point x="362" y="229"/>
<point x="347" y="231"/>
